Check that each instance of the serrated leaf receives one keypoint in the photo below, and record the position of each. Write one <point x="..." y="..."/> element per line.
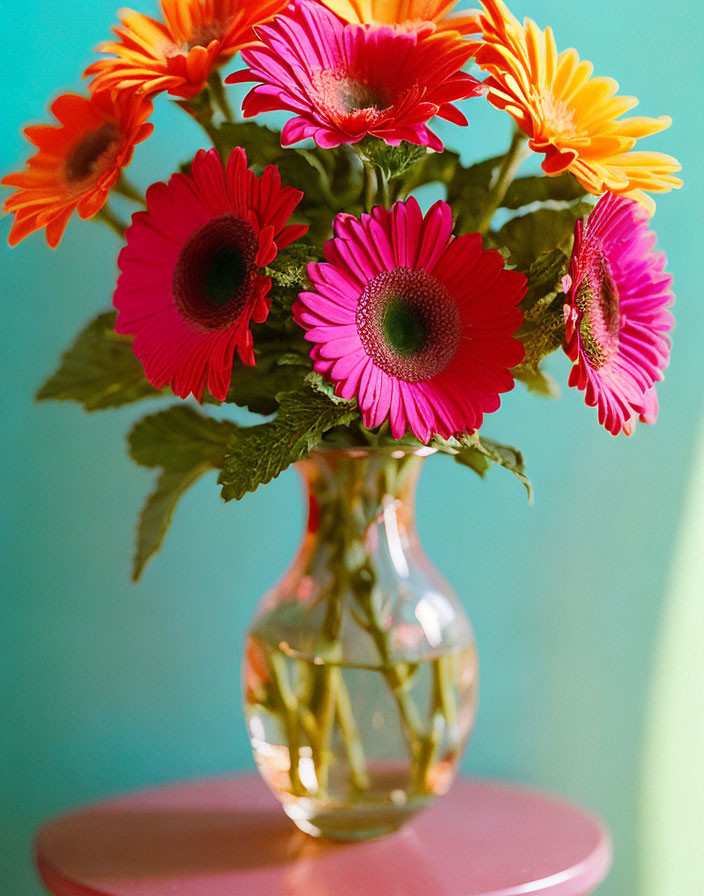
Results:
<point x="478" y="453"/>
<point x="544" y="278"/>
<point x="543" y="328"/>
<point x="393" y="161"/>
<point x="184" y="444"/>
<point x="157" y="512"/>
<point x="179" y="439"/>
<point x="255" y="455"/>
<point x="288" y="270"/>
<point x="320" y="384"/>
<point x="528" y="236"/>
<point x="99" y="370"/>
<point x="473" y="459"/>
<point x="539" y="188"/>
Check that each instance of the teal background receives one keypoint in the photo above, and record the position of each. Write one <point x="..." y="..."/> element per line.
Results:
<point x="586" y="605"/>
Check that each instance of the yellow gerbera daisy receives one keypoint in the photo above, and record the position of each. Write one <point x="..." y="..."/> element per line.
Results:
<point x="406" y="12"/>
<point x="567" y="114"/>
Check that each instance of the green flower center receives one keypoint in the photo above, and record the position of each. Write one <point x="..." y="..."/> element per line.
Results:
<point x="403" y="327"/>
<point x="598" y="303"/>
<point x="213" y="277"/>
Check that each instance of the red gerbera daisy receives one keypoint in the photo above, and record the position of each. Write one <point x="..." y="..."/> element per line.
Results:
<point x="416" y="324"/>
<point x="345" y="82"/>
<point x="78" y="163"/>
<point x="192" y="277"/>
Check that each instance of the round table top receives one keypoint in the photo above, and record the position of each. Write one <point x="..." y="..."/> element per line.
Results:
<point x="230" y="836"/>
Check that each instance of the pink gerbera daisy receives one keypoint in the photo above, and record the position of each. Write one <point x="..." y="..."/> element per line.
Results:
<point x="192" y="277"/>
<point x="616" y="313"/>
<point x="344" y="82"/>
<point x="415" y="323"/>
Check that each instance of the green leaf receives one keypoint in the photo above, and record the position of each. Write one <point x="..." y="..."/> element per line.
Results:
<point x="179" y="439"/>
<point x="544" y="278"/>
<point x="262" y="144"/>
<point x="543" y="328"/>
<point x="537" y="380"/>
<point x="99" y="370"/>
<point x="288" y="270"/>
<point x="257" y="454"/>
<point x="468" y="193"/>
<point x="256" y="388"/>
<point x="184" y="444"/>
<point x="479" y="453"/>
<point x="434" y="168"/>
<point x="158" y="510"/>
<point x="325" y="387"/>
<point x="528" y="236"/>
<point x="539" y="188"/>
<point x="393" y="161"/>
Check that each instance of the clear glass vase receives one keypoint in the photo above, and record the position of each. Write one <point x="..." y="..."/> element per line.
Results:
<point x="360" y="668"/>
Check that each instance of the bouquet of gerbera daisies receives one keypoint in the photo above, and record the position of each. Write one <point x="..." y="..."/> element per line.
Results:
<point x="294" y="273"/>
<point x="306" y="283"/>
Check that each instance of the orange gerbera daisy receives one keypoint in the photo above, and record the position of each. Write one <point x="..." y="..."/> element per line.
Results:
<point x="178" y="54"/>
<point x="406" y="12"/>
<point x="568" y="115"/>
<point x="78" y="163"/>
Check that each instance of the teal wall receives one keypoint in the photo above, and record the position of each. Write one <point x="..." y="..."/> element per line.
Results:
<point x="107" y="686"/>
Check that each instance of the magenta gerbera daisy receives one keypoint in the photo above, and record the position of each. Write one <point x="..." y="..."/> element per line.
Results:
<point x="616" y="313"/>
<point x="192" y="278"/>
<point x="414" y="323"/>
<point x="344" y="82"/>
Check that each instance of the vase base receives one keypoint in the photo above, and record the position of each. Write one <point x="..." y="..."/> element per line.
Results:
<point x="351" y="823"/>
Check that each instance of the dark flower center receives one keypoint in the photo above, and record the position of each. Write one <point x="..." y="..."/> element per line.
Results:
<point x="214" y="272"/>
<point x="597" y="301"/>
<point x="409" y="324"/>
<point x="85" y="156"/>
<point x="402" y="327"/>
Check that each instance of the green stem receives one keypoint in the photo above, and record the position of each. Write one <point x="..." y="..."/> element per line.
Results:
<point x="113" y="221"/>
<point x="370" y="185"/>
<point x="433" y="739"/>
<point x="398" y="680"/>
<point x="351" y="738"/>
<point x="385" y="193"/>
<point x="288" y="705"/>
<point x="126" y="188"/>
<point x="326" y="720"/>
<point x="217" y="89"/>
<point x="517" y="153"/>
<point x="200" y="108"/>
<point x="448" y="701"/>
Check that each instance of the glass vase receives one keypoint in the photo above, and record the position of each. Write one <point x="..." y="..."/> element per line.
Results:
<point x="360" y="666"/>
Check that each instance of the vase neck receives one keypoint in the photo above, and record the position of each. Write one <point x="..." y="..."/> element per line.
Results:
<point x="354" y="492"/>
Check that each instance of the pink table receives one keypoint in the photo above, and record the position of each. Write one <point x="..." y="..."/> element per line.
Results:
<point x="229" y="837"/>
